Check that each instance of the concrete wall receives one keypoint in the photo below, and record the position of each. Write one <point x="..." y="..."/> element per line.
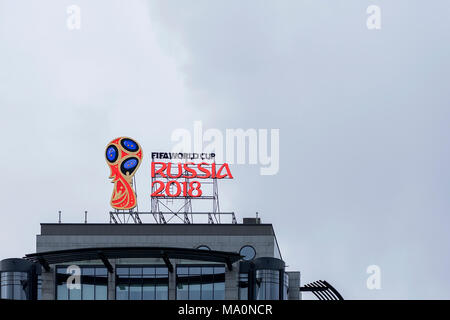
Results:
<point x="48" y="284"/>
<point x="294" y="285"/>
<point x="264" y="245"/>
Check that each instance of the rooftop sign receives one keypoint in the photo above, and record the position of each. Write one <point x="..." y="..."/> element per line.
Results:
<point x="124" y="156"/>
<point x="175" y="176"/>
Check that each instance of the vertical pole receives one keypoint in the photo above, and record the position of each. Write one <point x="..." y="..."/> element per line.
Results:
<point x="251" y="282"/>
<point x="59" y="216"/>
<point x="135" y="192"/>
<point x="85" y="217"/>
<point x="281" y="287"/>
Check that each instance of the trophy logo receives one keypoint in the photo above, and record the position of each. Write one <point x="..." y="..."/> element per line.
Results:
<point x="124" y="156"/>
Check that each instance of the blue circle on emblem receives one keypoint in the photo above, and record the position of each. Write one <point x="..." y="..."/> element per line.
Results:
<point x="111" y="153"/>
<point x="129" y="145"/>
<point x="130" y="163"/>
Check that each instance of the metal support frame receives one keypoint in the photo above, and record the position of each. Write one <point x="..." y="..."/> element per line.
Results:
<point x="106" y="262"/>
<point x="322" y="290"/>
<point x="125" y="216"/>
<point x="229" y="264"/>
<point x="119" y="217"/>
<point x="105" y="254"/>
<point x="167" y="261"/>
<point x="168" y="211"/>
<point x="44" y="264"/>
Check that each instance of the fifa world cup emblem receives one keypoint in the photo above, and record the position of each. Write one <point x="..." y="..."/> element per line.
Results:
<point x="123" y="155"/>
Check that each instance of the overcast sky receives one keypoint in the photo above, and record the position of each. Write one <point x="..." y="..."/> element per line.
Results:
<point x="363" y="116"/>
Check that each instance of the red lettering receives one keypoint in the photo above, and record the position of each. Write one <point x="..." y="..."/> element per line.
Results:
<point x="204" y="170"/>
<point x="190" y="170"/>
<point x="158" y="171"/>
<point x="169" y="171"/>
<point x="195" y="186"/>
<point x="228" y="173"/>
<point x="177" y="192"/>
<point x="157" y="192"/>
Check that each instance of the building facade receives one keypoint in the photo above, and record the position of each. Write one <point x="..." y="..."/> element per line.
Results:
<point x="152" y="262"/>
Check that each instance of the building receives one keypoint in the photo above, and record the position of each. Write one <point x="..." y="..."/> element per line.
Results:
<point x="127" y="259"/>
<point x="152" y="261"/>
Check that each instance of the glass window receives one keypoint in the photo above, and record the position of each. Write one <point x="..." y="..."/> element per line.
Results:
<point x="7" y="289"/>
<point x="14" y="285"/>
<point x="148" y="271"/>
<point x="88" y="283"/>
<point x="101" y="284"/>
<point x="142" y="283"/>
<point x="182" y="283"/>
<point x="219" y="283"/>
<point x="207" y="283"/>
<point x="61" y="284"/>
<point x="135" y="291"/>
<point x="248" y="252"/>
<point x="203" y="247"/>
<point x="243" y="286"/>
<point x="201" y="282"/>
<point x="148" y="289"/>
<point x="162" y="280"/>
<point x="286" y="286"/>
<point x="183" y="270"/>
<point x="121" y="291"/>
<point x="267" y="285"/>
<point x="93" y="283"/>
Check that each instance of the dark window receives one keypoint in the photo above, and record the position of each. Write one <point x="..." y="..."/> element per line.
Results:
<point x="201" y="282"/>
<point x="92" y="284"/>
<point x="248" y="252"/>
<point x="142" y="283"/>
